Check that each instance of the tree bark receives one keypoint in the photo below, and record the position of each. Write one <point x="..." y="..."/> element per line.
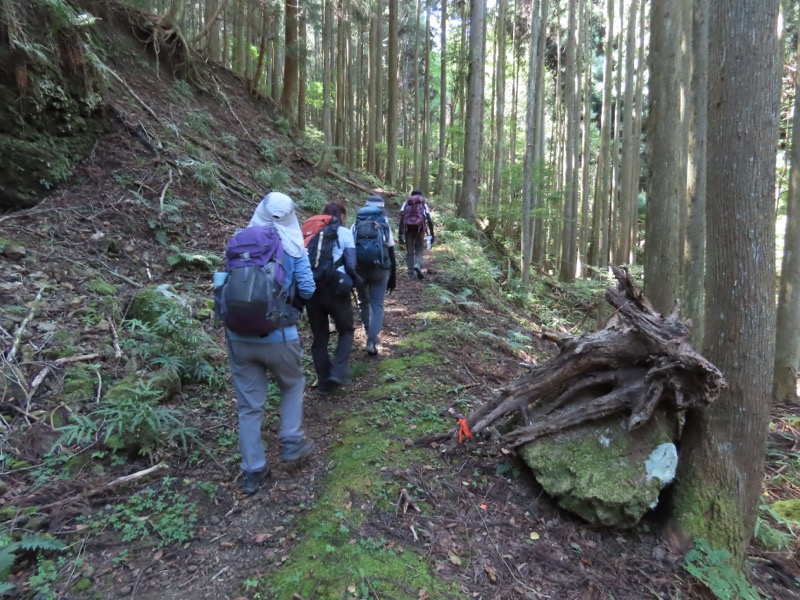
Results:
<point x="662" y="257"/>
<point x="530" y="147"/>
<point x="440" y="175"/>
<point x="290" y="63"/>
<point x="393" y="109"/>
<point x="473" y="140"/>
<point x="696" y="227"/>
<point x="722" y="450"/>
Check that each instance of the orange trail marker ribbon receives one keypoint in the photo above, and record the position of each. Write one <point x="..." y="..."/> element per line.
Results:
<point x="463" y="430"/>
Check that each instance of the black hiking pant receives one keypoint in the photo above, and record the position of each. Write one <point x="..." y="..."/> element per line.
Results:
<point x="415" y="245"/>
<point x="320" y="307"/>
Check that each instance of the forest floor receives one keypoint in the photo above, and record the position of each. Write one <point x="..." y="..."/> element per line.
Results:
<point x="371" y="513"/>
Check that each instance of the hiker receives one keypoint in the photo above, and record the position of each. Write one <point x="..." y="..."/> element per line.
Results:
<point x="332" y="298"/>
<point x="415" y="225"/>
<point x="254" y="355"/>
<point x="375" y="264"/>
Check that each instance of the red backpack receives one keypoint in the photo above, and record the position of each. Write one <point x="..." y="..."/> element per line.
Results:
<point x="313" y="225"/>
<point x="414" y="215"/>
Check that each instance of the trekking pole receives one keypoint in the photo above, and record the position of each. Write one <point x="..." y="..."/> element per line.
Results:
<point x="358" y="304"/>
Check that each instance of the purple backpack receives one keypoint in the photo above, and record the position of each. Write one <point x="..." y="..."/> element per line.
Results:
<point x="414" y="215"/>
<point x="254" y="299"/>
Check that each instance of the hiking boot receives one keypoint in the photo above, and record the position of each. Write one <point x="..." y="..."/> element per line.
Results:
<point x="336" y="380"/>
<point x="411" y="276"/>
<point x="325" y="388"/>
<point x="418" y="271"/>
<point x="371" y="349"/>
<point x="252" y="480"/>
<point x="296" y="450"/>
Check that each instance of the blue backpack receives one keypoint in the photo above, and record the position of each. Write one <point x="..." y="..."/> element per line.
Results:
<point x="254" y="300"/>
<point x="371" y="233"/>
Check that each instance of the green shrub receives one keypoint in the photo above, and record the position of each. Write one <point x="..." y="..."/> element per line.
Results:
<point x="132" y="421"/>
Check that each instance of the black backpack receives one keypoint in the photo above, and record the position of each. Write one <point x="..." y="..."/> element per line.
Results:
<point x="320" y="253"/>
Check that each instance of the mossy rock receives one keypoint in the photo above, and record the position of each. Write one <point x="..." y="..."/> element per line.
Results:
<point x="52" y="109"/>
<point x="82" y="585"/>
<point x="602" y="472"/>
<point x="10" y="389"/>
<point x="164" y="381"/>
<point x="79" y="383"/>
<point x="102" y="288"/>
<point x="151" y="302"/>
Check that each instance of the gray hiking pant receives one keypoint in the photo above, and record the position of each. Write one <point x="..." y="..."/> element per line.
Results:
<point x="415" y="245"/>
<point x="370" y="300"/>
<point x="251" y="363"/>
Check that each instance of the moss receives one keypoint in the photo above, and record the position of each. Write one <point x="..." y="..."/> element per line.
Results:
<point x="83" y="585"/>
<point x="335" y="556"/>
<point x="704" y="509"/>
<point x="9" y="242"/>
<point x="152" y="302"/>
<point x="788" y="509"/>
<point x="103" y="288"/>
<point x="79" y="383"/>
<point x="164" y="381"/>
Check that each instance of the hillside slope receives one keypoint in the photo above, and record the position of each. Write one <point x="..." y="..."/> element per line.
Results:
<point x="186" y="154"/>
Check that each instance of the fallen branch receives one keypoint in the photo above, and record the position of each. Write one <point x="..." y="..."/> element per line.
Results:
<point x="88" y="493"/>
<point x="23" y="326"/>
<point x="406" y="501"/>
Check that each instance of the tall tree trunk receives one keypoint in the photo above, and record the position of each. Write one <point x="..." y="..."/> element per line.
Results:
<point x="722" y="447"/>
<point x="539" y="238"/>
<point x="327" y="70"/>
<point x="696" y="230"/>
<point x="290" y="63"/>
<point x="530" y="147"/>
<point x="569" y="232"/>
<point x="262" y="51"/>
<point x="598" y="251"/>
<point x="587" y="56"/>
<point x="416" y="123"/>
<point x="787" y="347"/>
<point x="629" y="182"/>
<point x="662" y="257"/>
<point x="473" y="139"/>
<point x="391" y="116"/>
<point x="302" y="66"/>
<point x="500" y="106"/>
<point x="375" y="45"/>
<point x="426" y="105"/>
<point x="440" y="175"/>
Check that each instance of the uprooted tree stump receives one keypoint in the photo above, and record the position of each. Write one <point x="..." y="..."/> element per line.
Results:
<point x="641" y="360"/>
<point x="597" y="424"/>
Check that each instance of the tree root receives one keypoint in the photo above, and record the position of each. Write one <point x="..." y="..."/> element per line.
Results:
<point x="639" y="361"/>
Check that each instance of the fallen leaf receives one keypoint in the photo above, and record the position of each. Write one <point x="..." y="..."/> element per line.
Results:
<point x="423" y="595"/>
<point x="158" y="555"/>
<point x="260" y="538"/>
<point x="490" y="574"/>
<point x="454" y="559"/>
<point x="483" y="506"/>
<point x="534" y="535"/>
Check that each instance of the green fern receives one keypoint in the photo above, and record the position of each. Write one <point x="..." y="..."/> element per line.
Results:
<point x="715" y="569"/>
<point x="29" y="542"/>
